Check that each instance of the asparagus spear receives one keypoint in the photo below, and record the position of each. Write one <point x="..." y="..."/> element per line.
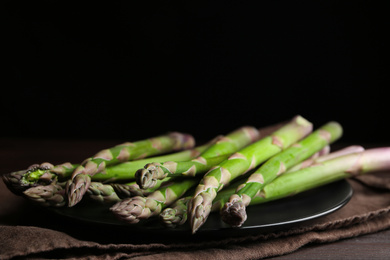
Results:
<point x="132" y="210"/>
<point x="146" y="177"/>
<point x="311" y="178"/>
<point x="125" y="172"/>
<point x="176" y="214"/>
<point x="233" y="211"/>
<point x="51" y="195"/>
<point x="19" y="181"/>
<point x="13" y="181"/>
<point x="309" y="161"/>
<point x="341" y="167"/>
<point x="81" y="176"/>
<point x="239" y="163"/>
<point x="103" y="193"/>
<point x="45" y="173"/>
<point x="37" y="175"/>
<point x="213" y="155"/>
<point x="327" y="156"/>
<point x="132" y="189"/>
<point x="114" y="192"/>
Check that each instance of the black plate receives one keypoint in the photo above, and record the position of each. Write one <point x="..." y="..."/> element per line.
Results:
<point x="271" y="216"/>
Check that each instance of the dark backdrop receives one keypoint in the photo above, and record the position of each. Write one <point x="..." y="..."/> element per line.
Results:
<point x="126" y="70"/>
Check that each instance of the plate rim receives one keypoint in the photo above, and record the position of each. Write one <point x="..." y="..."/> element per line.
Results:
<point x="226" y="229"/>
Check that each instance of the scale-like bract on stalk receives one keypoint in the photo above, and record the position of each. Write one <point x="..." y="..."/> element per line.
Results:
<point x="234" y="212"/>
<point x="134" y="209"/>
<point x="81" y="176"/>
<point x="240" y="163"/>
<point x="331" y="170"/>
<point x="348" y="162"/>
<point x="216" y="153"/>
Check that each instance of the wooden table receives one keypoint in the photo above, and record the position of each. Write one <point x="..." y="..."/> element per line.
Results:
<point x="18" y="154"/>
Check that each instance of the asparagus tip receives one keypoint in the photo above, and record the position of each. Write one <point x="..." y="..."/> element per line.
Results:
<point x="103" y="193"/>
<point x="170" y="217"/>
<point x="146" y="177"/>
<point x="35" y="175"/>
<point x="129" y="210"/>
<point x="234" y="213"/>
<point x="76" y="188"/>
<point x="38" y="174"/>
<point x="47" y="195"/>
<point x="199" y="209"/>
<point x="13" y="182"/>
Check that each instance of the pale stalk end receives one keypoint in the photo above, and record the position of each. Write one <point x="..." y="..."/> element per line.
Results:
<point x="375" y="159"/>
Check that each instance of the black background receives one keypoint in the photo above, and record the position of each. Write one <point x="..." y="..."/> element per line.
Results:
<point x="134" y="69"/>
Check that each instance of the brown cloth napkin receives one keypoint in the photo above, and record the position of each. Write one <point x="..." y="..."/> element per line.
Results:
<point x="28" y="232"/>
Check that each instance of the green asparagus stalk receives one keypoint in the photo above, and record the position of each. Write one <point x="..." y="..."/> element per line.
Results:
<point x="175" y="216"/>
<point x="232" y="142"/>
<point x="240" y="163"/>
<point x="310" y="160"/>
<point x="327" y="156"/>
<point x="19" y="181"/>
<point x="341" y="167"/>
<point x="134" y="209"/>
<point x="320" y="153"/>
<point x="45" y="173"/>
<point x="224" y="196"/>
<point x="233" y="212"/>
<point x="125" y="172"/>
<point x="81" y="176"/>
<point x="212" y="156"/>
<point x="146" y="177"/>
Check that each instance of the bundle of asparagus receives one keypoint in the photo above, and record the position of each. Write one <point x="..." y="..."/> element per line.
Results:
<point x="81" y="176"/>
<point x="169" y="179"/>
<point x="45" y="174"/>
<point x="224" y="146"/>
<point x="234" y="210"/>
<point x="240" y="163"/>
<point x="345" y="163"/>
